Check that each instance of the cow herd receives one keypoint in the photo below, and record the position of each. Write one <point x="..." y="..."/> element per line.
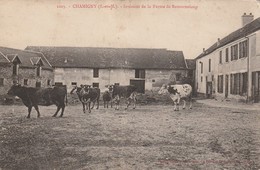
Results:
<point x="87" y="95"/>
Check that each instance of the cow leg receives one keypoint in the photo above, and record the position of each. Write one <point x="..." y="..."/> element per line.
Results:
<point x="89" y="109"/>
<point x="29" y="111"/>
<point x="190" y="100"/>
<point x="62" y="110"/>
<point x="84" y="110"/>
<point x="128" y="103"/>
<point x="184" y="104"/>
<point x="93" y="104"/>
<point x="134" y="101"/>
<point x="37" y="109"/>
<point x="174" y="106"/>
<point x="97" y="103"/>
<point x="58" y="109"/>
<point x="178" y="107"/>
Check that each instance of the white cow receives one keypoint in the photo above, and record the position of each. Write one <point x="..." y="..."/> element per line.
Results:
<point x="177" y="93"/>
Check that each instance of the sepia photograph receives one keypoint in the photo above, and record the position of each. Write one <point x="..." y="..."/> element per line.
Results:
<point x="129" y="84"/>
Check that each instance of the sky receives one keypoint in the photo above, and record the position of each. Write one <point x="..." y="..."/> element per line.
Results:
<point x="122" y="23"/>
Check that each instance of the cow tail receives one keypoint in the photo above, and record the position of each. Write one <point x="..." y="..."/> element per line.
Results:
<point x="66" y="99"/>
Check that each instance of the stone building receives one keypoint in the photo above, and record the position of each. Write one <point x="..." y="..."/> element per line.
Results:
<point x="23" y="67"/>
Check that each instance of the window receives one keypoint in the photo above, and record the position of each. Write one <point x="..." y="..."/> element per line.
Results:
<point x="201" y="67"/>
<point x="1" y="81"/>
<point x="95" y="85"/>
<point x="74" y="83"/>
<point x="117" y="84"/>
<point x="201" y="78"/>
<point x="15" y="69"/>
<point x="209" y="65"/>
<point x="139" y="73"/>
<point x="238" y="84"/>
<point x="227" y="54"/>
<point x="38" y="71"/>
<point x="220" y="83"/>
<point x="38" y="84"/>
<point x="243" y="49"/>
<point x="234" y="52"/>
<point x="95" y="72"/>
<point x="48" y="82"/>
<point x="25" y="82"/>
<point x="58" y="83"/>
<point x="220" y="57"/>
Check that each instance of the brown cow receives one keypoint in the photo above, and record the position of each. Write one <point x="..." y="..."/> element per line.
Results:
<point x="32" y="97"/>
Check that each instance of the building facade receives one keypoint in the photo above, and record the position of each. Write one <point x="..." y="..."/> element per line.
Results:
<point x="230" y="68"/>
<point x="148" y="69"/>
<point x="23" y="67"/>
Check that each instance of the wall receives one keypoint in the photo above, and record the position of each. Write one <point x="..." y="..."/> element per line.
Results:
<point x="30" y="74"/>
<point x="6" y="73"/>
<point x="153" y="78"/>
<point x="156" y="78"/>
<point x="23" y="73"/>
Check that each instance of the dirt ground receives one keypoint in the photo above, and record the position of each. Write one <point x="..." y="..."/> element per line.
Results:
<point x="149" y="137"/>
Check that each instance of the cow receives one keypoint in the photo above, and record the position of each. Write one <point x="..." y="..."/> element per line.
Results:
<point x="107" y="97"/>
<point x="177" y="93"/>
<point x="128" y="92"/>
<point x="84" y="95"/>
<point x="32" y="97"/>
<point x="91" y="95"/>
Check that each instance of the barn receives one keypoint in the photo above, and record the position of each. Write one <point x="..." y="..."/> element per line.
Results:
<point x="23" y="67"/>
<point x="148" y="69"/>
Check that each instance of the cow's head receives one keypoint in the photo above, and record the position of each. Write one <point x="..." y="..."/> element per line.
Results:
<point x="110" y="88"/>
<point x="78" y="89"/>
<point x="14" y="90"/>
<point x="163" y="89"/>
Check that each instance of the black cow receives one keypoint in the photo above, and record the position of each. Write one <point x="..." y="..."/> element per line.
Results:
<point x="128" y="92"/>
<point x="86" y="95"/>
<point x="107" y="97"/>
<point x="32" y="97"/>
<point x="91" y="95"/>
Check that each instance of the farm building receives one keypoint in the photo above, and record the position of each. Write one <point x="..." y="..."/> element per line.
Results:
<point x="230" y="68"/>
<point x="23" y="67"/>
<point x="146" y="68"/>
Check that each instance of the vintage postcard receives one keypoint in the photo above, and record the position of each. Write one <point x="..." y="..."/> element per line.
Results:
<point x="129" y="84"/>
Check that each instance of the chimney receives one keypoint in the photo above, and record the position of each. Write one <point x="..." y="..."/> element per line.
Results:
<point x="247" y="19"/>
<point x="218" y="42"/>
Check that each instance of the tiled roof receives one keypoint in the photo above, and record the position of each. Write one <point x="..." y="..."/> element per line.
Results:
<point x="91" y="57"/>
<point x="25" y="57"/>
<point x="3" y="58"/>
<point x="240" y="33"/>
<point x="191" y="64"/>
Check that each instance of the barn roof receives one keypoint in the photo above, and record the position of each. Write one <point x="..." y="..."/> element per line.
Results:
<point x="240" y="33"/>
<point x="25" y="57"/>
<point x="93" y="57"/>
